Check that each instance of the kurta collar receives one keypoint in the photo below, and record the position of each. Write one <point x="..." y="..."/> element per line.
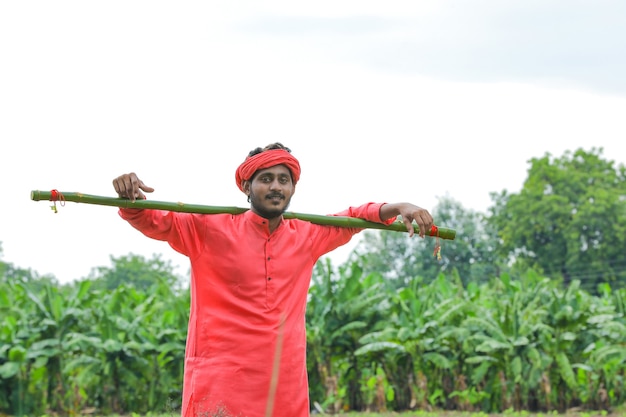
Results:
<point x="261" y="221"/>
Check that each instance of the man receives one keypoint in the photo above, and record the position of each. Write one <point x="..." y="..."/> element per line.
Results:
<point x="250" y="275"/>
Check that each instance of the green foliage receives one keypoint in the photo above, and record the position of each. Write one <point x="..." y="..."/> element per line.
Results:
<point x="510" y="343"/>
<point x="472" y="255"/>
<point x="64" y="348"/>
<point x="135" y="271"/>
<point x="339" y="313"/>
<point x="569" y="220"/>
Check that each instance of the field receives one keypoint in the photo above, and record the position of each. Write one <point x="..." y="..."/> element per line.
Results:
<point x="573" y="413"/>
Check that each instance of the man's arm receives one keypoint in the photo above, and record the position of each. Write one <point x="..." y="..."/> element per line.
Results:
<point x="409" y="213"/>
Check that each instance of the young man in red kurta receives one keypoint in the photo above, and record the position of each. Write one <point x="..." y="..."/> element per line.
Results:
<point x="250" y="275"/>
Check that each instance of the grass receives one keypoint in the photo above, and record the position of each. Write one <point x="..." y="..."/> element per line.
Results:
<point x="617" y="413"/>
<point x="621" y="412"/>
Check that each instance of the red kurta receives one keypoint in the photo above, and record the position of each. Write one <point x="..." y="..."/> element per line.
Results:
<point x="245" y="282"/>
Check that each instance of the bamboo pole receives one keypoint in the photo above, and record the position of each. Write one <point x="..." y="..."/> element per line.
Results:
<point x="341" y="221"/>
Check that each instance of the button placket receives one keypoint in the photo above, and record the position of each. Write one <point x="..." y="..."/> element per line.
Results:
<point x="269" y="281"/>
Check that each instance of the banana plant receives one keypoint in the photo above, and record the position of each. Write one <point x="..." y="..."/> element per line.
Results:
<point x="340" y="311"/>
<point x="501" y="347"/>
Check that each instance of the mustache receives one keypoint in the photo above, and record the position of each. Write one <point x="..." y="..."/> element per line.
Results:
<point x="275" y="195"/>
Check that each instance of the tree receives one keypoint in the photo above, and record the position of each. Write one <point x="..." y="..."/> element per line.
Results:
<point x="11" y="273"/>
<point x="136" y="271"/>
<point x="472" y="254"/>
<point x="569" y="220"/>
<point x="3" y="266"/>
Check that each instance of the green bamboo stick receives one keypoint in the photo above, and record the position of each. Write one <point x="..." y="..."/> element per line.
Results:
<point x="341" y="221"/>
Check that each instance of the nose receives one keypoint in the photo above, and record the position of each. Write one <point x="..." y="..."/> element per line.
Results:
<point x="276" y="185"/>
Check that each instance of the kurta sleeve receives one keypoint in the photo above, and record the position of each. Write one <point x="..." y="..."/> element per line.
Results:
<point x="183" y="231"/>
<point x="368" y="211"/>
<point x="329" y="238"/>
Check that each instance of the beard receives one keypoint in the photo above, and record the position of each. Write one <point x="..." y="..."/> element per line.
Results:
<point x="256" y="203"/>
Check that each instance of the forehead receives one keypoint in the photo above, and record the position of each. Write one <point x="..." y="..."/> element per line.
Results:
<point x="276" y="170"/>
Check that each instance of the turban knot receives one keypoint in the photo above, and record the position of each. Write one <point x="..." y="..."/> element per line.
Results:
<point x="267" y="159"/>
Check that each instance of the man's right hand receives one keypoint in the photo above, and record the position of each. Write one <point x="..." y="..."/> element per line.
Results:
<point x="131" y="187"/>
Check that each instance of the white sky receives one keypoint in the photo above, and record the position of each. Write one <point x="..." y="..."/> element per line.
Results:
<point x="380" y="101"/>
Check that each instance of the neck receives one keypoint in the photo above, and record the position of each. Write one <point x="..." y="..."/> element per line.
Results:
<point x="274" y="222"/>
<point x="272" y="219"/>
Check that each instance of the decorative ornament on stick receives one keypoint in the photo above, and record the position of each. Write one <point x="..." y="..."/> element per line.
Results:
<point x="55" y="196"/>
<point x="434" y="231"/>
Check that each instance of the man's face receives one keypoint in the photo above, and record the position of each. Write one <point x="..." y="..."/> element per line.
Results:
<point x="270" y="191"/>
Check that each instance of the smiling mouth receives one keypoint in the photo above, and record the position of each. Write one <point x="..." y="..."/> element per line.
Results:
<point x="275" y="197"/>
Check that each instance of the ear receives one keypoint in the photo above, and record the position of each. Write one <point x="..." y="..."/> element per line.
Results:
<point x="245" y="184"/>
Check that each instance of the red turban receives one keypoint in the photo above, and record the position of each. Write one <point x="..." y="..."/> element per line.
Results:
<point x="264" y="160"/>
